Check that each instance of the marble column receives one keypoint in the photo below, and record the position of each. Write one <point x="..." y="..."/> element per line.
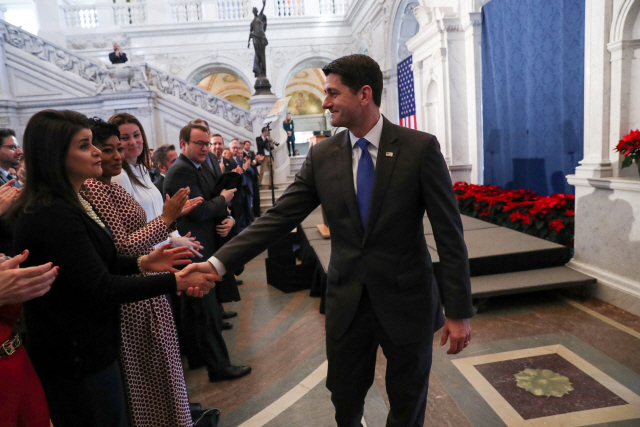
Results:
<point x="261" y="106"/>
<point x="597" y="90"/>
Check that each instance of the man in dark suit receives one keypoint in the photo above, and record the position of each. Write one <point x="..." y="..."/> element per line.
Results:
<point x="163" y="158"/>
<point x="10" y="154"/>
<point x="256" y="159"/>
<point x="264" y="146"/>
<point x="117" y="56"/>
<point x="242" y="201"/>
<point x="374" y="181"/>
<point x="202" y="318"/>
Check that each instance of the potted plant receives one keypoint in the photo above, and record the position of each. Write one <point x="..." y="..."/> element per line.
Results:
<point x="629" y="147"/>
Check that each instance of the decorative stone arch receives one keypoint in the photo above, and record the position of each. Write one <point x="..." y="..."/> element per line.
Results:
<point x="197" y="71"/>
<point x="624" y="20"/>
<point x="402" y="15"/>
<point x="624" y="49"/>
<point x="300" y="63"/>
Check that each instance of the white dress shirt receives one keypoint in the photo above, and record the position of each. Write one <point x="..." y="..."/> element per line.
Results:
<point x="374" y="139"/>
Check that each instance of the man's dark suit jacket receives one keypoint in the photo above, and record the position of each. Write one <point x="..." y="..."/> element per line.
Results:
<point x="261" y="144"/>
<point x="201" y="220"/>
<point x="159" y="183"/>
<point x="390" y="256"/>
<point x="6" y="229"/>
<point x="217" y="172"/>
<point x="74" y="329"/>
<point x="115" y="59"/>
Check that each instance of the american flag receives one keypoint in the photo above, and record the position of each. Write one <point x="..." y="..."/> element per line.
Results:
<point x="406" y="94"/>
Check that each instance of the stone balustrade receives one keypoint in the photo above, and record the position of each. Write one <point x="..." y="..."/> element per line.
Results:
<point x="101" y="15"/>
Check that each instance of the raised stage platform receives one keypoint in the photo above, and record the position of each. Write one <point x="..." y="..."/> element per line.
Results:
<point x="502" y="261"/>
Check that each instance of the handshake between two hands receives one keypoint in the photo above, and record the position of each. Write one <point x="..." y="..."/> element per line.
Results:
<point x="197" y="279"/>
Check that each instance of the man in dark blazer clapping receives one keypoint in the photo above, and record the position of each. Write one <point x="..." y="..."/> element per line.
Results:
<point x="202" y="319"/>
<point x="375" y="181"/>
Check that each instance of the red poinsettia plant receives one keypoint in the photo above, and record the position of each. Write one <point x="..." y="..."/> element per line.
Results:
<point x="629" y="147"/>
<point x="550" y="217"/>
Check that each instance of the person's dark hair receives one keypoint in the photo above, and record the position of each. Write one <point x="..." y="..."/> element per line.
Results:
<point x="5" y="132"/>
<point x="185" y="132"/>
<point x="356" y="71"/>
<point x="143" y="159"/>
<point x="218" y="135"/>
<point x="46" y="142"/>
<point x="102" y="131"/>
<point x="200" y="121"/>
<point x="264" y="128"/>
<point x="160" y="155"/>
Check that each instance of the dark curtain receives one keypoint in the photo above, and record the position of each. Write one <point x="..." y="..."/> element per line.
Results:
<point x="532" y="92"/>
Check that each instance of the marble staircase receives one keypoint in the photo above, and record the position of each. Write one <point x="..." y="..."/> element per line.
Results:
<point x="36" y="74"/>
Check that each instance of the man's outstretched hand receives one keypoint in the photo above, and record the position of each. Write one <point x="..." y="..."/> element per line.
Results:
<point x="194" y="272"/>
<point x="458" y="331"/>
<point x="200" y="267"/>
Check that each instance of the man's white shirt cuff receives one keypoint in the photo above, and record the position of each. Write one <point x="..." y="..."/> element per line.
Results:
<point x="218" y="265"/>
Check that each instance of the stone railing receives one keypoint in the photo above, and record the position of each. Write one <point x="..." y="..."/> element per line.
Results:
<point x="81" y="17"/>
<point x="185" y="11"/>
<point x="333" y="7"/>
<point x="124" y="78"/>
<point x="104" y="14"/>
<point x="232" y="9"/>
<point x="191" y="94"/>
<point x="289" y="8"/>
<point x="129" y="14"/>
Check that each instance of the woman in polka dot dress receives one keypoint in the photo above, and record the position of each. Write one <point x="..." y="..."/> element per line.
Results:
<point x="150" y="355"/>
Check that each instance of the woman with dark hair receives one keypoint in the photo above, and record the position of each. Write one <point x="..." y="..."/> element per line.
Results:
<point x="149" y="354"/>
<point x="287" y="124"/>
<point x="73" y="330"/>
<point x="137" y="181"/>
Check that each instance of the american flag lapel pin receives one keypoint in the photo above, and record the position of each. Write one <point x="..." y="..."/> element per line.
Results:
<point x="389" y="154"/>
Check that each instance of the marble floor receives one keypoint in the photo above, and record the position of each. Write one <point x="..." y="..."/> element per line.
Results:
<point x="538" y="359"/>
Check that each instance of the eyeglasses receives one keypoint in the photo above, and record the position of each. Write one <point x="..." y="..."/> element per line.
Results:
<point x="12" y="147"/>
<point x="201" y="144"/>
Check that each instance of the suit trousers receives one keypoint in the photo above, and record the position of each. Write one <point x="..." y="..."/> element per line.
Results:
<point x="264" y="167"/>
<point x="352" y="361"/>
<point x="202" y="333"/>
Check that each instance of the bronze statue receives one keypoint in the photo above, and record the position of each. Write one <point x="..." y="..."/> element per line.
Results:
<point x="257" y="33"/>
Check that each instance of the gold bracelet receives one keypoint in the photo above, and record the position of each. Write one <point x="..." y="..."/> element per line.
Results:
<point x="139" y="261"/>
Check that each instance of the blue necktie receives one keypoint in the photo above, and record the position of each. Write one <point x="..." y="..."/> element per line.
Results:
<point x="364" y="180"/>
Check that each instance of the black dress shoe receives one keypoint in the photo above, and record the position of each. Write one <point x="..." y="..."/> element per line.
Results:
<point x="229" y="373"/>
<point x="195" y="407"/>
<point x="229" y="314"/>
<point x="226" y="326"/>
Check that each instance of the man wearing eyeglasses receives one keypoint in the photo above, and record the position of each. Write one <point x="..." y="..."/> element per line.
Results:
<point x="10" y="154"/>
<point x="201" y="318"/>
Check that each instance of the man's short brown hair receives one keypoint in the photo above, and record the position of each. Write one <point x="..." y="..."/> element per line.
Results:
<point x="200" y="121"/>
<point x="185" y="132"/>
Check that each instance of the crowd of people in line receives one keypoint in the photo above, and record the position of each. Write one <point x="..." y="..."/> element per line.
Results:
<point x="94" y="229"/>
